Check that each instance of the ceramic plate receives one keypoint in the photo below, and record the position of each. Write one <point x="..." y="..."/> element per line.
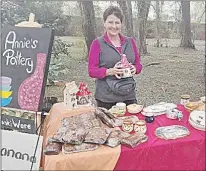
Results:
<point x="159" y="108"/>
<point x="154" y="109"/>
<point x="152" y="114"/>
<point x="197" y="119"/>
<point x="171" y="132"/>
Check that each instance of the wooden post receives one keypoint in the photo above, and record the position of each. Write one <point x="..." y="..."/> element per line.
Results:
<point x="29" y="23"/>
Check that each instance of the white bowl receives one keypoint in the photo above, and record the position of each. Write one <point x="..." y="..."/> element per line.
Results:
<point x="134" y="108"/>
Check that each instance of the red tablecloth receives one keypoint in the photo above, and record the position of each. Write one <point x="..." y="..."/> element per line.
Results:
<point x="186" y="153"/>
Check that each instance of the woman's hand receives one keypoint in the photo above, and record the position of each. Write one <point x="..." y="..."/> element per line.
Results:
<point x="114" y="71"/>
<point x="133" y="69"/>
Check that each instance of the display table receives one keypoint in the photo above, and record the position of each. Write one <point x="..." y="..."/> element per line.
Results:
<point x="103" y="158"/>
<point x="186" y="153"/>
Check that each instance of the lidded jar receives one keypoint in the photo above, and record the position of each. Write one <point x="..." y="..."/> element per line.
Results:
<point x="185" y="99"/>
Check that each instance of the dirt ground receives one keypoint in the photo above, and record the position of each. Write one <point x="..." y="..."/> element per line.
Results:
<point x="177" y="71"/>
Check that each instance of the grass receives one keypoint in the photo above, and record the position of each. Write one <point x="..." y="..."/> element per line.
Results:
<point x="79" y="50"/>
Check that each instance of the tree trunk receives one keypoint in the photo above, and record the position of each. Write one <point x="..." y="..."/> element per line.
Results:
<point x="158" y="23"/>
<point x="130" y="31"/>
<point x="89" y="24"/>
<point x="186" y="41"/>
<point x="128" y="22"/>
<point x="143" y="11"/>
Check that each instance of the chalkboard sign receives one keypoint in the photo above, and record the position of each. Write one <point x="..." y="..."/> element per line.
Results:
<point x="25" y="58"/>
<point x="19" y="124"/>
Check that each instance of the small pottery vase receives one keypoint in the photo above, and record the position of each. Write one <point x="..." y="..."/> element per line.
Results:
<point x="149" y="118"/>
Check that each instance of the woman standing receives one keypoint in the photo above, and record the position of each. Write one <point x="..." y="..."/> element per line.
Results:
<point x="105" y="53"/>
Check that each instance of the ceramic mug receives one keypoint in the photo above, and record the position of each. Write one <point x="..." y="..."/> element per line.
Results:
<point x="140" y="127"/>
<point x="117" y="111"/>
<point x="127" y="125"/>
<point x="121" y="106"/>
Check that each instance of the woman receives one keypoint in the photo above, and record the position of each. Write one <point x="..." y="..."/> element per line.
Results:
<point x="105" y="53"/>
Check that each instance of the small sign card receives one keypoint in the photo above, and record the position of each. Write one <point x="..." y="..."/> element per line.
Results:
<point x="18" y="149"/>
<point x="19" y="120"/>
<point x="19" y="124"/>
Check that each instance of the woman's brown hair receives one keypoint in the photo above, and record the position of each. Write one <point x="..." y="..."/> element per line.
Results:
<point x="115" y="11"/>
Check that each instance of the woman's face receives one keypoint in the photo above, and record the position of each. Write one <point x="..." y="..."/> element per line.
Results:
<point x="112" y="25"/>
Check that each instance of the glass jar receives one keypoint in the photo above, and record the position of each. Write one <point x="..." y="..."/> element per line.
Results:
<point x="185" y="99"/>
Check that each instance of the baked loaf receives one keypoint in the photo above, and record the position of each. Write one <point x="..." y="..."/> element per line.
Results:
<point x="69" y="148"/>
<point x="133" y="140"/>
<point x="75" y="136"/>
<point x="104" y="118"/>
<point x="52" y="147"/>
<point x="107" y="112"/>
<point x="97" y="135"/>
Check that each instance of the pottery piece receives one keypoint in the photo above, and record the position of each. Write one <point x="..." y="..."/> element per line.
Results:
<point x="83" y="95"/>
<point x="192" y="106"/>
<point x="140" y="127"/>
<point x="197" y="120"/>
<point x="125" y="65"/>
<point x="174" y="114"/>
<point x="149" y="119"/>
<point x="127" y="125"/>
<point x="134" y="108"/>
<point x="70" y="91"/>
<point x="201" y="107"/>
<point x="117" y="111"/>
<point x="121" y="106"/>
<point x="119" y="120"/>
<point x="172" y="132"/>
<point x="158" y="109"/>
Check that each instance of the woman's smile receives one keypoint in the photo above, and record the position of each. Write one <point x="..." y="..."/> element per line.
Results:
<point x="113" y="25"/>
